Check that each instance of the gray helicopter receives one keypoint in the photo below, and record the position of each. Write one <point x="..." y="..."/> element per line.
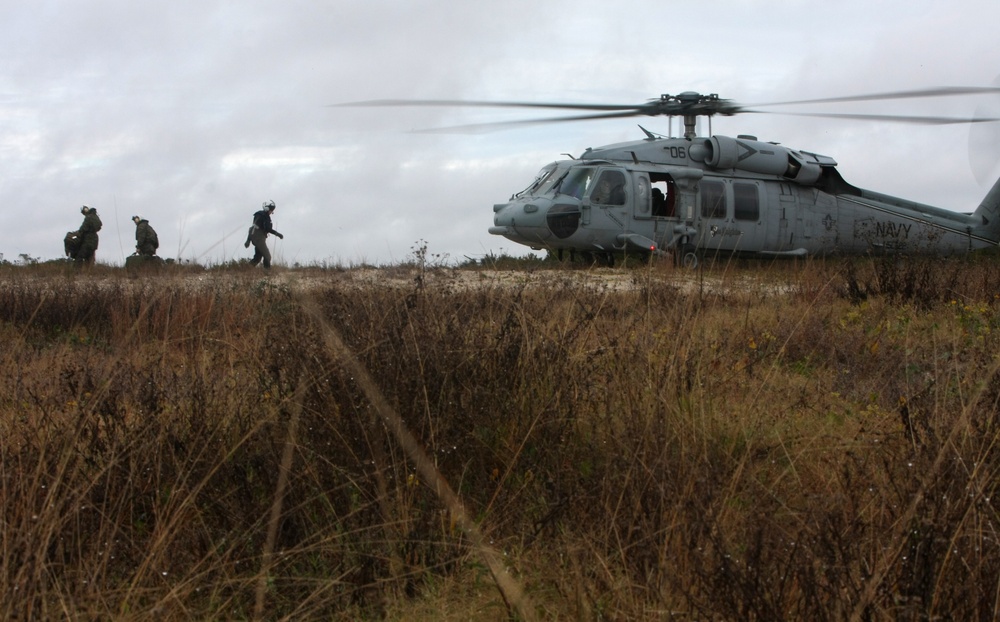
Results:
<point x="695" y="196"/>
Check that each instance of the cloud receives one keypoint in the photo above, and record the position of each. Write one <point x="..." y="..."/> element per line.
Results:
<point x="193" y="113"/>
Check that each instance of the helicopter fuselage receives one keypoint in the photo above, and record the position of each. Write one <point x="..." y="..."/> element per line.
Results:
<point x="726" y="195"/>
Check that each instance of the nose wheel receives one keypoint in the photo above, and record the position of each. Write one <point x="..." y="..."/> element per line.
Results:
<point x="687" y="256"/>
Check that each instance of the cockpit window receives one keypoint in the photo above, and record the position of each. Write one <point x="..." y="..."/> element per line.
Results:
<point x="610" y="189"/>
<point x="545" y="178"/>
<point x="577" y="180"/>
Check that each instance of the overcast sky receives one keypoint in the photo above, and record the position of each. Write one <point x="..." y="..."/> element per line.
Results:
<point x="194" y="112"/>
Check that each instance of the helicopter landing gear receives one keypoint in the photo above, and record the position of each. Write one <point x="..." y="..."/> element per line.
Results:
<point x="687" y="256"/>
<point x="587" y="257"/>
<point x="595" y="259"/>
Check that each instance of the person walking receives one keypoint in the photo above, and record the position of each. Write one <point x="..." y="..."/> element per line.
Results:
<point x="85" y="254"/>
<point x="257" y="235"/>
<point x="146" y="241"/>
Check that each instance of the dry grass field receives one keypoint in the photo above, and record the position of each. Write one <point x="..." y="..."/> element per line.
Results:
<point x="800" y="440"/>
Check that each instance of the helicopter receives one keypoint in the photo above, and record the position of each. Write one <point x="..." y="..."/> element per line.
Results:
<point x="690" y="197"/>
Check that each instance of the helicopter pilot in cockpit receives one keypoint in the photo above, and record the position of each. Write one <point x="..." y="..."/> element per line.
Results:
<point x="608" y="193"/>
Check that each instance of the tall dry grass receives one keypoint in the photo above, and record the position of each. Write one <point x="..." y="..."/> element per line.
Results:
<point x="811" y="440"/>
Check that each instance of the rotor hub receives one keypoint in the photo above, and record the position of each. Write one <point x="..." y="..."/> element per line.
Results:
<point x="690" y="103"/>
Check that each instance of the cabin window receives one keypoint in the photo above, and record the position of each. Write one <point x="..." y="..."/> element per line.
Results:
<point x="745" y="203"/>
<point x="642" y="195"/>
<point x="713" y="199"/>
<point x="610" y="189"/>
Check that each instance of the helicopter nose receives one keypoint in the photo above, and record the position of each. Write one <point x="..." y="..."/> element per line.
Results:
<point x="503" y="222"/>
<point x="520" y="221"/>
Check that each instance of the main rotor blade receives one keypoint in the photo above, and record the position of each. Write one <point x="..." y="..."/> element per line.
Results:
<point x="695" y="108"/>
<point x="375" y="103"/>
<point x="883" y="117"/>
<point x="945" y="91"/>
<point x="476" y="128"/>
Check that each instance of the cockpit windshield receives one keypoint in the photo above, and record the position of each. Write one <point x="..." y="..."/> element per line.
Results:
<point x="543" y="181"/>
<point x="577" y="180"/>
<point x="565" y="178"/>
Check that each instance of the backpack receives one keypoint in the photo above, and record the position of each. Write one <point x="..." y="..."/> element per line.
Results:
<point x="71" y="243"/>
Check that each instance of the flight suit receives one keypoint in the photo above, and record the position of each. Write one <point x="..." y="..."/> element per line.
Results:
<point x="146" y="241"/>
<point x="89" y="239"/>
<point x="258" y="237"/>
